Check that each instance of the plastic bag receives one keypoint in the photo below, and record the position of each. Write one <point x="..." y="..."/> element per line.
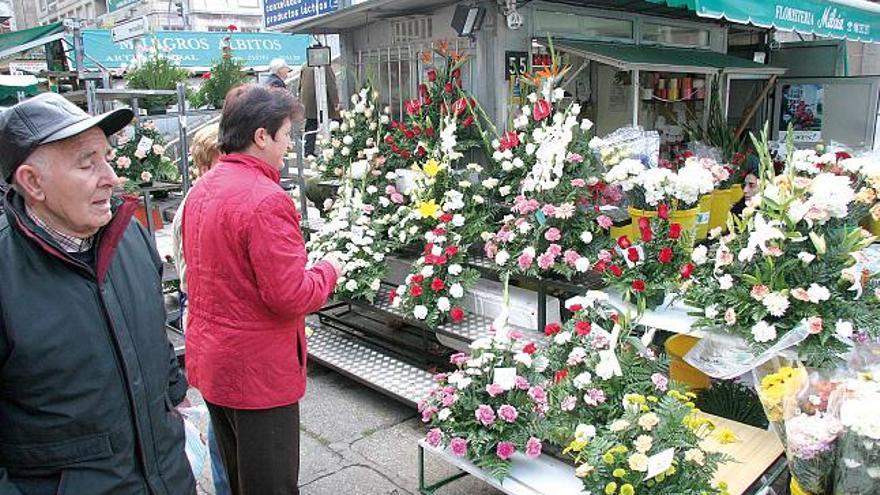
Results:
<point x="630" y="142"/>
<point x="726" y="356"/>
<point x="196" y="441"/>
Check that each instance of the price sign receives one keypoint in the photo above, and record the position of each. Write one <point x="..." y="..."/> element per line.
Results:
<point x="517" y="64"/>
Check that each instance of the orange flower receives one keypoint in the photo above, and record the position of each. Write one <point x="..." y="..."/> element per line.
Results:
<point x="553" y="71"/>
<point x="442" y="47"/>
<point x="458" y="57"/>
<point x="427" y="57"/>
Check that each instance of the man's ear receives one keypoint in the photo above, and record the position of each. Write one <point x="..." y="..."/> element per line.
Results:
<point x="29" y="179"/>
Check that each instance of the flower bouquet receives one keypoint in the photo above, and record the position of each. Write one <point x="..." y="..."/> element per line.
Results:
<point x="654" y="447"/>
<point x="140" y="158"/>
<point x="226" y="73"/>
<point x="647" y="268"/>
<point x="352" y="147"/>
<point x="487" y="409"/>
<point x="858" y="466"/>
<point x="153" y="67"/>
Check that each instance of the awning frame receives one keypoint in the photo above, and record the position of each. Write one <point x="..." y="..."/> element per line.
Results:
<point x="32" y="44"/>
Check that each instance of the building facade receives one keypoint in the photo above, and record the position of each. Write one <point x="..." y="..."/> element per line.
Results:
<point x="198" y="15"/>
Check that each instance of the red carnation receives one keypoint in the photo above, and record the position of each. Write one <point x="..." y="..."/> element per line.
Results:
<point x="552" y="329"/>
<point x="623" y="242"/>
<point x="529" y="348"/>
<point x="437" y="285"/>
<point x="446" y="218"/>
<point x="456" y="73"/>
<point x="541" y="110"/>
<point x="206" y="76"/>
<point x="389" y="139"/>
<point x="675" y="231"/>
<point x="638" y="285"/>
<point x="663" y="211"/>
<point x="632" y="254"/>
<point x="451" y="250"/>
<point x="559" y="376"/>
<point x="509" y="141"/>
<point x="415" y="290"/>
<point x="232" y="27"/>
<point x="583" y="328"/>
<point x="439" y="231"/>
<point x="417" y="279"/>
<point x="412" y="107"/>
<point x="447" y="87"/>
<point x="468" y="121"/>
<point x="392" y="295"/>
<point x="574" y="308"/>
<point x="428" y="247"/>
<point x="665" y="255"/>
<point x="600" y="266"/>
<point x="615" y="270"/>
<point x="432" y="75"/>
<point x="457" y="314"/>
<point x="687" y="270"/>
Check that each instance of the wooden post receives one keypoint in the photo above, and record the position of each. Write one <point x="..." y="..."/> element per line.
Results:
<point x="744" y="122"/>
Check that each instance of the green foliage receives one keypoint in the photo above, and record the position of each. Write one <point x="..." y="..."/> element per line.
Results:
<point x="732" y="400"/>
<point x="226" y="73"/>
<point x="152" y="68"/>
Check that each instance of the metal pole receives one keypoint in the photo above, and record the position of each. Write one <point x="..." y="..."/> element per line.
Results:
<point x="90" y="96"/>
<point x="400" y="81"/>
<point x="184" y="145"/>
<point x="390" y="98"/>
<point x="635" y="85"/>
<point x="136" y="110"/>
<point x="105" y="83"/>
<point x="78" y="49"/>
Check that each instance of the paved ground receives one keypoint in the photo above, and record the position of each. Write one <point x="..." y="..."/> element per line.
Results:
<point x="358" y="442"/>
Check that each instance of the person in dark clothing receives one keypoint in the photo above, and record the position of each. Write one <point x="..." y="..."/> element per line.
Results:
<point x="309" y="100"/>
<point x="279" y="70"/>
<point x="88" y="380"/>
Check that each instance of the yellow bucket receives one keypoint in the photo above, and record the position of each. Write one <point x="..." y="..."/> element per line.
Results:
<point x="686" y="218"/>
<point x="721" y="204"/>
<point x="676" y="347"/>
<point x="704" y="213"/>
<point x="635" y="214"/>
<point x="616" y="232"/>
<point x="796" y="489"/>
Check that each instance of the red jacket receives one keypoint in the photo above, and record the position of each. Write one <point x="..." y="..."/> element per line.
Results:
<point x="249" y="290"/>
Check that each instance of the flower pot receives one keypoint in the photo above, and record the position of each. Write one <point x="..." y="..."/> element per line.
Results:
<point x="635" y="214"/>
<point x="736" y="194"/>
<point x="704" y="212"/>
<point x="676" y="347"/>
<point x="141" y="214"/>
<point x="721" y="203"/>
<point x="687" y="218"/>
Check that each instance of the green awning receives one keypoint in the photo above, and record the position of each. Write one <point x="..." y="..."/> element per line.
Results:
<point x="855" y="20"/>
<point x="19" y="41"/>
<point x="10" y="86"/>
<point x="654" y="58"/>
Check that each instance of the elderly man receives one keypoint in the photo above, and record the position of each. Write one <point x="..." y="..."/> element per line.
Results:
<point x="279" y="70"/>
<point x="88" y="380"/>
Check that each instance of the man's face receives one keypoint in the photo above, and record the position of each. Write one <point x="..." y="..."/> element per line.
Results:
<point x="76" y="184"/>
<point x="283" y="72"/>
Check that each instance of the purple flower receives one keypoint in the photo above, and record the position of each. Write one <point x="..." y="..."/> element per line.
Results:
<point x="508" y="413"/>
<point x="538" y="394"/>
<point x="494" y="390"/>
<point x="485" y="415"/>
<point x="458" y="446"/>
<point x="660" y="381"/>
<point x="594" y="397"/>
<point x="505" y="450"/>
<point x="521" y="383"/>
<point x="568" y="403"/>
<point x="533" y="447"/>
<point x="434" y="437"/>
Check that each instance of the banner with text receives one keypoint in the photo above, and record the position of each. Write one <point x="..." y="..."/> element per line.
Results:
<point x="278" y="13"/>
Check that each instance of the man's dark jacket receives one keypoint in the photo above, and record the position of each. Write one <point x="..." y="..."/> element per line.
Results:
<point x="275" y="82"/>
<point x="88" y="380"/>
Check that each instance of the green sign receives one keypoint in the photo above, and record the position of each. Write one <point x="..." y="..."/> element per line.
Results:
<point x="114" y="5"/>
<point x="821" y="17"/>
<point x="197" y="50"/>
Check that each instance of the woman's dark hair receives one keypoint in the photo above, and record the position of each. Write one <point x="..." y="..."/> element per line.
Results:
<point x="249" y="107"/>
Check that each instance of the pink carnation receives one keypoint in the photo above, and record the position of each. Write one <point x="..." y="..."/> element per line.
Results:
<point x="548" y="210"/>
<point x="397" y="198"/>
<point x="449" y="399"/>
<point x="605" y="255"/>
<point x="434" y="437"/>
<point x="660" y="381"/>
<point x="485" y="415"/>
<point x="545" y="261"/>
<point x="594" y="397"/>
<point x="538" y="394"/>
<point x="524" y="261"/>
<point x="458" y="446"/>
<point x="491" y="249"/>
<point x="554" y="250"/>
<point x="730" y="316"/>
<point x="571" y="257"/>
<point x="428" y="413"/>
<point x="574" y="157"/>
<point x="604" y="221"/>
<point x="814" y="324"/>
<point x="521" y="383"/>
<point x="389" y="189"/>
<point x="505" y="450"/>
<point x="494" y="390"/>
<point x="508" y="413"/>
<point x="458" y="358"/>
<point x="578" y="183"/>
<point x="533" y="447"/>
<point x="800" y="294"/>
<point x="552" y="234"/>
<point x="568" y="403"/>
<point x="504" y="235"/>
<point x="759" y="292"/>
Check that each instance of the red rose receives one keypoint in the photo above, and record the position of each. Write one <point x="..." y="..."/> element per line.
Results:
<point x="395" y="149"/>
<point x="687" y="270"/>
<point x="405" y="154"/>
<point x="417" y="279"/>
<point x="646" y="235"/>
<point x="644" y="223"/>
<point x="457" y="314"/>
<point x="615" y="270"/>
<point x="663" y="211"/>
<point x="574" y="308"/>
<point x="232" y="28"/>
<point x="421" y="151"/>
<point x="552" y="329"/>
<point x="583" y="328"/>
<point x="665" y="255"/>
<point x="412" y="107"/>
<point x="559" y="376"/>
<point x="432" y="75"/>
<point x="615" y="318"/>
<point x="530" y="348"/>
<point x="437" y="285"/>
<point x="459" y="106"/>
<point x="451" y="250"/>
<point x="624" y="242"/>
<point x="429" y="131"/>
<point x="409" y="134"/>
<point x="509" y="141"/>
<point x="389" y="139"/>
<point x="417" y="130"/>
<point x="426" y="101"/>
<point x="632" y="254"/>
<point x="468" y="121"/>
<point x="541" y="110"/>
<point x="447" y="87"/>
<point x="415" y="290"/>
<point x="456" y="73"/>
<point x="423" y="90"/>
<point x="674" y="231"/>
<point x="446" y="218"/>
<point x="638" y="285"/>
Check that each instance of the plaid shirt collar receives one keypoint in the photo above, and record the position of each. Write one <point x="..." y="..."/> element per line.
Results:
<point x="69" y="243"/>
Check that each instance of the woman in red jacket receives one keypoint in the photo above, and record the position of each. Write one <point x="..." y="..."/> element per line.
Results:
<point x="249" y="293"/>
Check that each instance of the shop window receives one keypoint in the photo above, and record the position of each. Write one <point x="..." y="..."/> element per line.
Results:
<point x="409" y="30"/>
<point x="578" y="26"/>
<point x="675" y="35"/>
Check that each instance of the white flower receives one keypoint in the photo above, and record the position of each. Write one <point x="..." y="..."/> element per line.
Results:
<point x="427" y="271"/>
<point x="454" y="269"/>
<point x="420" y="312"/>
<point x="376" y="282"/>
<point x="818" y="293"/>
<point x="443" y="304"/>
<point x="530" y="148"/>
<point x="725" y="282"/>
<point x="763" y="332"/>
<point x="502" y="257"/>
<point x="358" y="168"/>
<point x="456" y="290"/>
<point x="586" y="237"/>
<point x="540" y="364"/>
<point x="711" y="311"/>
<point x="146" y="176"/>
<point x="586" y="125"/>
<point x="504" y="190"/>
<point x="524" y="359"/>
<point x="805" y="257"/>
<point x="700" y="255"/>
<point x="582" y="265"/>
<point x="458" y="220"/>
<point x="351" y="285"/>
<point x="562" y="338"/>
<point x="444" y="414"/>
<point x="347" y="140"/>
<point x="583" y="380"/>
<point x="776" y="303"/>
<point x="490" y="183"/>
<point x="844" y="329"/>
<point x="584" y="432"/>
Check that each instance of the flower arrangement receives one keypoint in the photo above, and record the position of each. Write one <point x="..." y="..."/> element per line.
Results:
<point x="645" y="269"/>
<point x="226" y="73"/>
<point x="486" y="409"/>
<point x="353" y="143"/>
<point x="653" y="448"/>
<point x="153" y="68"/>
<point x="139" y="157"/>
<point x="648" y="187"/>
<point x="788" y="266"/>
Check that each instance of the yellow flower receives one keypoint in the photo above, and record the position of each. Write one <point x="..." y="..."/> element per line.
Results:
<point x="432" y="167"/>
<point x="627" y="489"/>
<point x="584" y="470"/>
<point x="875" y="212"/>
<point x="619" y="473"/>
<point x="428" y="209"/>
<point x="638" y="462"/>
<point x="726" y="436"/>
<point x="610" y="488"/>
<point x="608" y="458"/>
<point x="575" y="446"/>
